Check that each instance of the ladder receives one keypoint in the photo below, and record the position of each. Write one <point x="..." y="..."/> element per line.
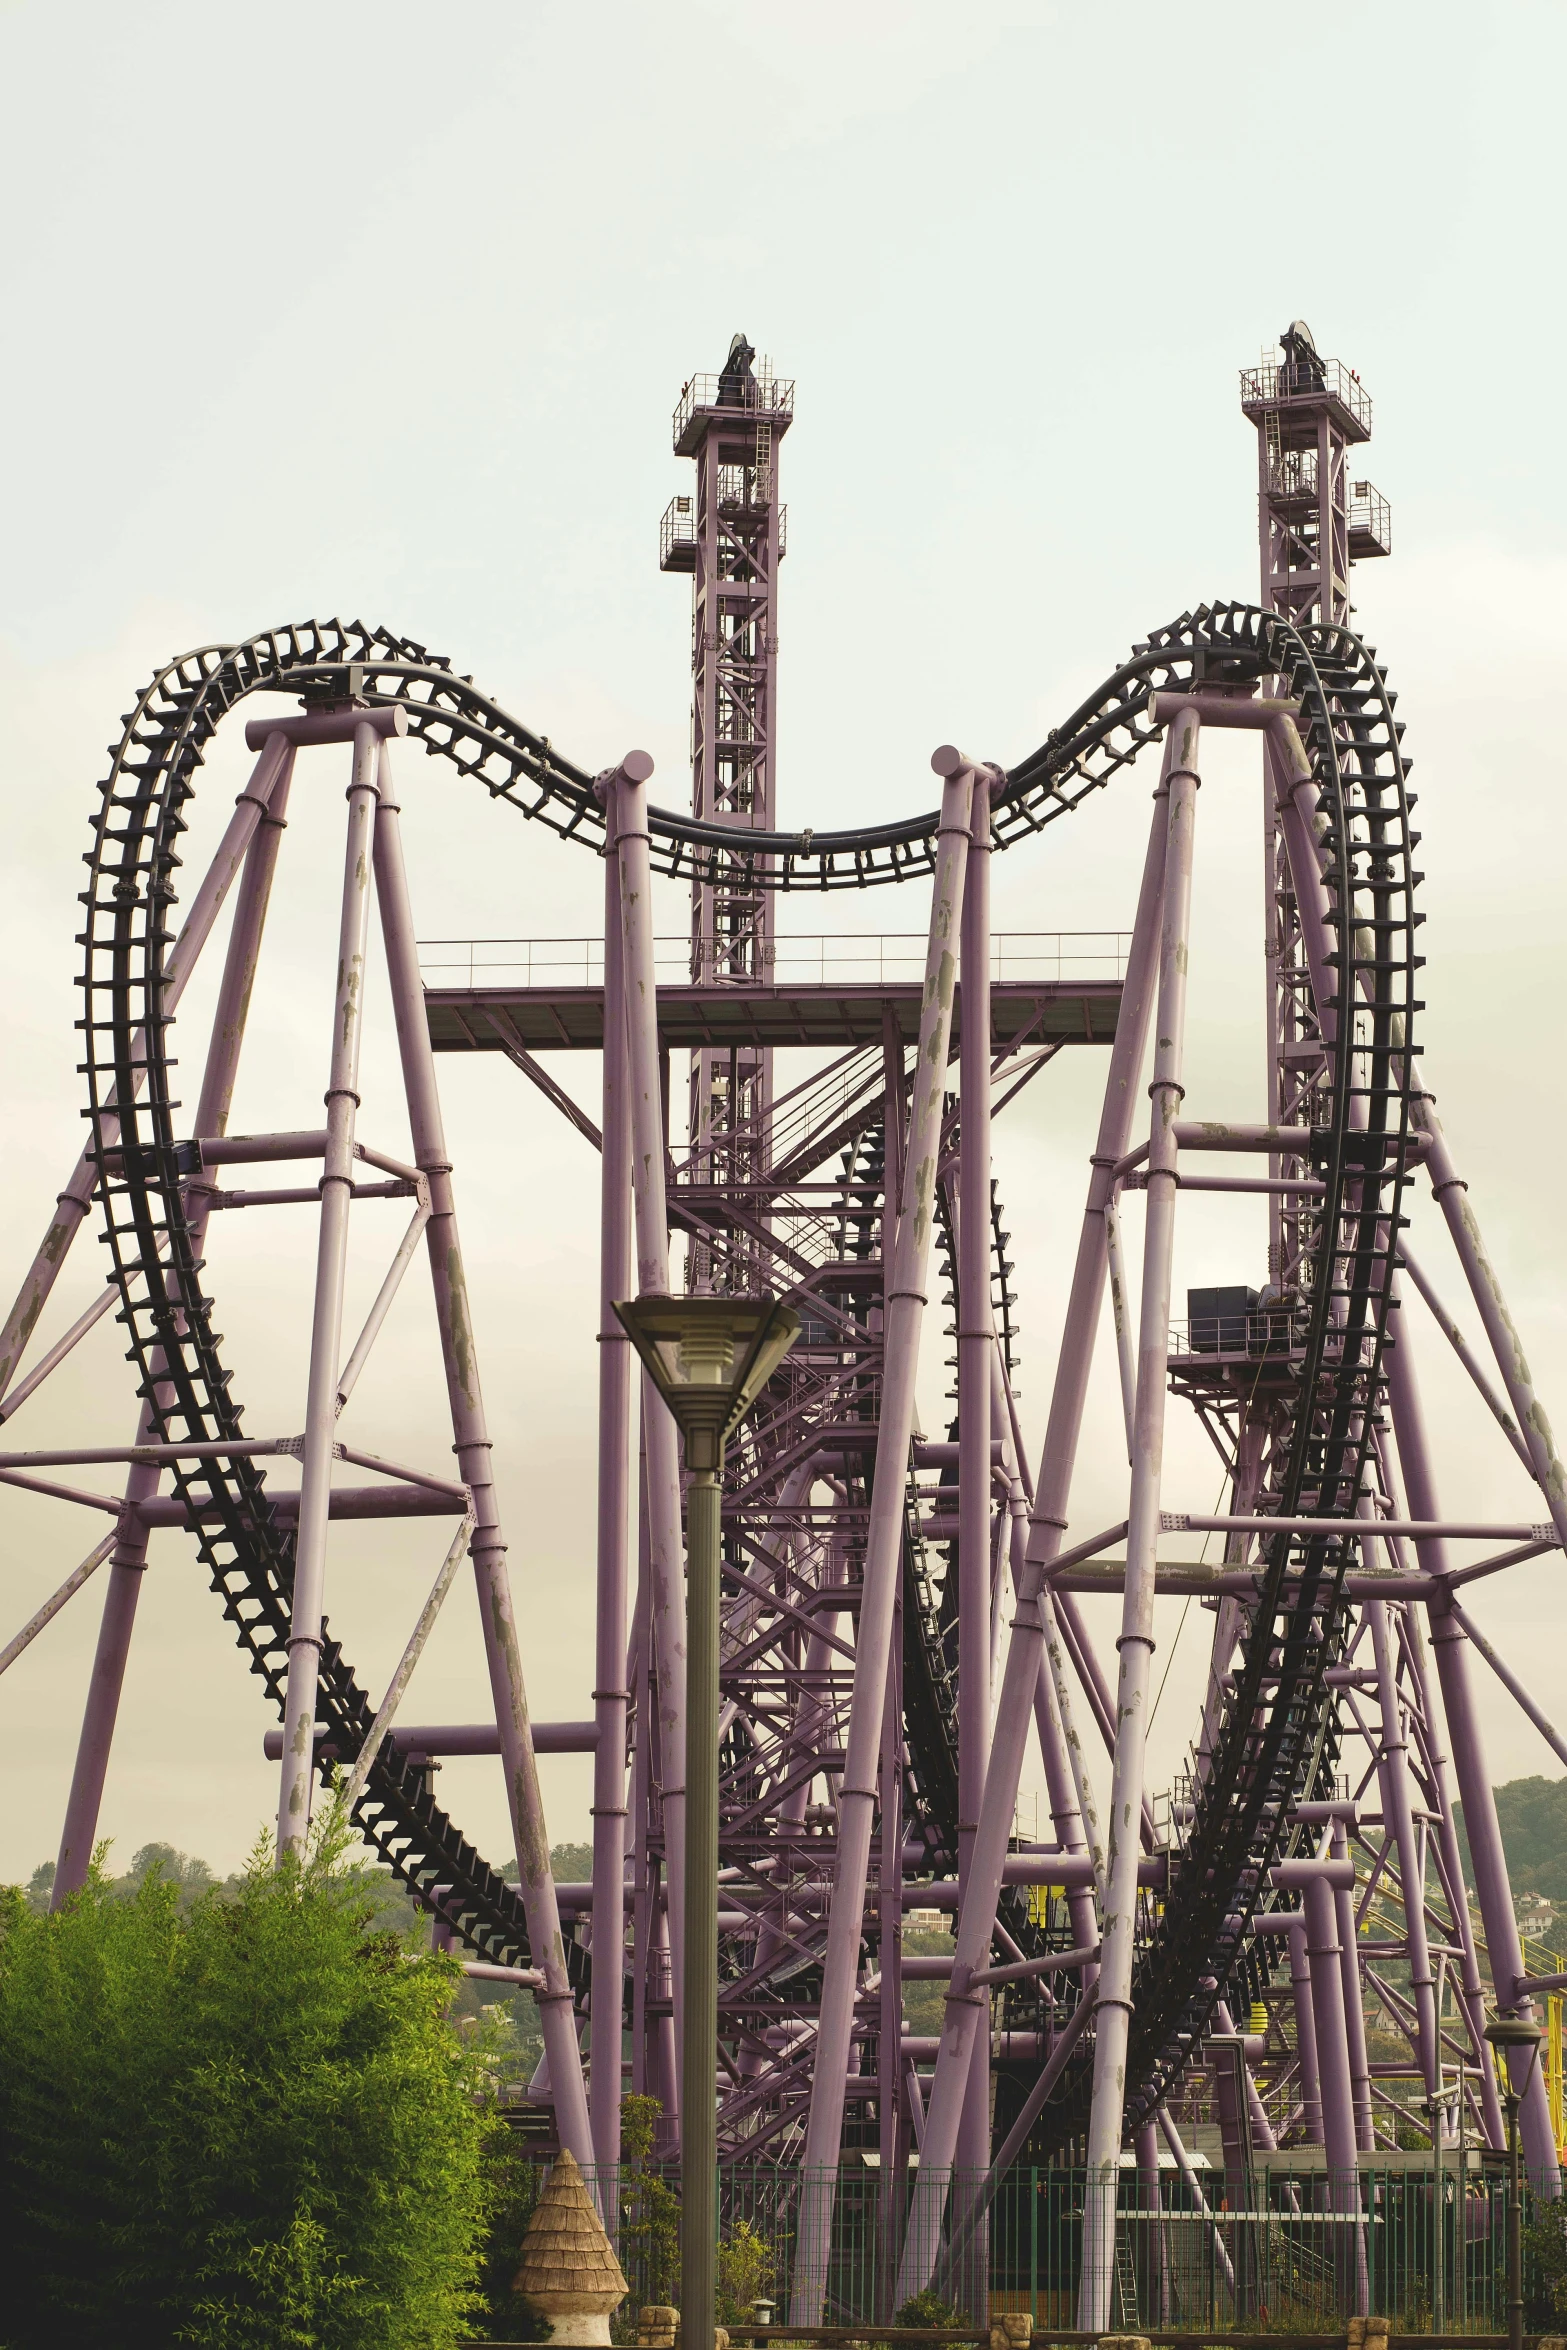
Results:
<point x="1125" y="2285"/>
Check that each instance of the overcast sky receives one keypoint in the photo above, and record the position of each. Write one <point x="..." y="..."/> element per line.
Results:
<point x="318" y="312"/>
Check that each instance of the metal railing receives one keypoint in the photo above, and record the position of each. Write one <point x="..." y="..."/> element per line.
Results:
<point x="677" y="524"/>
<point x="677" y="528"/>
<point x="1285" y="2250"/>
<point x="1258" y="1335"/>
<point x="846" y="959"/>
<point x="1370" y="521"/>
<point x="762" y="394"/>
<point x="1279" y="380"/>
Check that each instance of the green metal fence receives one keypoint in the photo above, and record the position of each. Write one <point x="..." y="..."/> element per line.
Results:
<point x="1291" y="2251"/>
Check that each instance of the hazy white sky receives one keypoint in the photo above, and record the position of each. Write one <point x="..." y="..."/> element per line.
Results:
<point x="385" y="316"/>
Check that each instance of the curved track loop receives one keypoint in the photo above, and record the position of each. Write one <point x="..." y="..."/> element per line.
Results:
<point x="1279" y="1716"/>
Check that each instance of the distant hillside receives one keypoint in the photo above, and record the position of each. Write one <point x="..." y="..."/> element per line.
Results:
<point x="1533" y="1816"/>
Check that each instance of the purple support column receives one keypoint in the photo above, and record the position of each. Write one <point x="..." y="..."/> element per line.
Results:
<point x="907" y="1278"/>
<point x="976" y="1359"/>
<point x="1325" y="1957"/>
<point x="666" y="1550"/>
<point x="1354" y="2010"/>
<point x="889" y="2086"/>
<point x="1107" y="2114"/>
<point x="1398" y="1809"/>
<point x="1261" y="2128"/>
<point x="611" y="1695"/>
<point x="1025" y="1647"/>
<point x="326" y="1328"/>
<point x="640" y="1841"/>
<point x="1146" y="2143"/>
<point x="1470" y="1990"/>
<point x="1305" y="2031"/>
<point x="265" y="796"/>
<point x="470" y="1431"/>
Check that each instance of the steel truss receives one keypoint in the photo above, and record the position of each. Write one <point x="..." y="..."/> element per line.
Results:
<point x="877" y="1707"/>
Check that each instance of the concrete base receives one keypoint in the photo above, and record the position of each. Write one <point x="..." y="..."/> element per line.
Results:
<point x="585" y="2326"/>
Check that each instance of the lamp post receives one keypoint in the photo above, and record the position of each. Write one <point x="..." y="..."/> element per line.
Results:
<point x="1505" y="2033"/>
<point x="709" y="1358"/>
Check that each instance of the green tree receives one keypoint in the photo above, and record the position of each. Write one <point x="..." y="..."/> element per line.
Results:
<point x="245" y="2122"/>
<point x="1545" y="2266"/>
<point x="649" y="2210"/>
<point x="746" y="2270"/>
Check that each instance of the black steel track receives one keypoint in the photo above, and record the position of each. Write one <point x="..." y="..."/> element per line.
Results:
<point x="1275" y="1721"/>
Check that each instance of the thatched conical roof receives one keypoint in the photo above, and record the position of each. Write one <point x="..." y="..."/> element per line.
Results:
<point x="567" y="2260"/>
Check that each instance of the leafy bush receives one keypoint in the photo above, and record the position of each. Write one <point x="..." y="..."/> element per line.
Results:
<point x="649" y="2210"/>
<point x="238" y="2121"/>
<point x="928" y="2309"/>
<point x="1545" y="2266"/>
<point x="746" y="2270"/>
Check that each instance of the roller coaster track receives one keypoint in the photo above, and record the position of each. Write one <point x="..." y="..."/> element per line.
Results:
<point x="1277" y="1717"/>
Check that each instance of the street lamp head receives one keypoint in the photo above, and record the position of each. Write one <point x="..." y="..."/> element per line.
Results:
<point x="709" y="1358"/>
<point x="1507" y="2033"/>
<point x="1513" y="2031"/>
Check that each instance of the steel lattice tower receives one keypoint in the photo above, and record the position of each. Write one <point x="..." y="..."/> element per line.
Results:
<point x="731" y="537"/>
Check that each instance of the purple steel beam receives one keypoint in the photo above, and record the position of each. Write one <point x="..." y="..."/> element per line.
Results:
<point x="258" y="822"/>
<point x="75" y="1200"/>
<point x="326" y="1329"/>
<point x="976" y="1339"/>
<point x="1509" y="1680"/>
<point x="1107" y="2114"/>
<point x="56" y="1600"/>
<point x="1193" y="2185"/>
<point x="907" y="1279"/>
<point x="432" y="1739"/>
<point x="470" y="1432"/>
<point x="666" y="1550"/>
<point x="1461" y="1347"/>
<point x="1025" y="1646"/>
<point x="611" y="1694"/>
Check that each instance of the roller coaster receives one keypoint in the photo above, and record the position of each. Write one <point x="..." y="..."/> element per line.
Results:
<point x="878" y="1706"/>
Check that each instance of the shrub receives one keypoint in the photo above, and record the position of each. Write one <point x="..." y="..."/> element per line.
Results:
<point x="1545" y="2266"/>
<point x="928" y="2309"/>
<point x="241" y="2122"/>
<point x="746" y="2270"/>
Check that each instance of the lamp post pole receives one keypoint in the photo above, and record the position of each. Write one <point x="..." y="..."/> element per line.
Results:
<point x="1509" y="2034"/>
<point x="1435" y="2108"/>
<point x="1514" y="2225"/>
<point x="699" y="1993"/>
<point x="710" y="1359"/>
